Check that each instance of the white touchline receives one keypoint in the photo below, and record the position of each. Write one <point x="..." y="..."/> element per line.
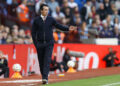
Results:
<point x="22" y="81"/>
<point x="112" y="84"/>
<point x="28" y="85"/>
<point x="26" y="81"/>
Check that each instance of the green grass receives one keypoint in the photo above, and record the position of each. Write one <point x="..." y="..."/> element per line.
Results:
<point x="98" y="81"/>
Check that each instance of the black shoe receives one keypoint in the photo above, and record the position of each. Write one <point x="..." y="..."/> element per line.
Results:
<point x="44" y="81"/>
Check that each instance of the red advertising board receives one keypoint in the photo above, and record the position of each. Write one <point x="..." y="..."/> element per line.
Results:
<point x="26" y="55"/>
<point x="94" y="54"/>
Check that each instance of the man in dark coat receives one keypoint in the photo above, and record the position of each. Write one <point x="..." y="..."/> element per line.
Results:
<point x="42" y="35"/>
<point x="110" y="58"/>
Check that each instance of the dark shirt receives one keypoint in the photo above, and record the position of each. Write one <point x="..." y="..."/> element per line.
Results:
<point x="106" y="33"/>
<point x="66" y="58"/>
<point x="42" y="31"/>
<point x="4" y="62"/>
<point x="110" y="63"/>
<point x="102" y="13"/>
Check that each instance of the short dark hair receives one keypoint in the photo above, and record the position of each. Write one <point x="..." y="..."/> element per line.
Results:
<point x="42" y="5"/>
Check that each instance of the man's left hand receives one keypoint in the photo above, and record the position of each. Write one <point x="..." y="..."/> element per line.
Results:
<point x="72" y="28"/>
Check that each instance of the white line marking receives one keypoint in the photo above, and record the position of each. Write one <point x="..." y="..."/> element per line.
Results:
<point x="28" y="85"/>
<point x="31" y="84"/>
<point x="112" y="84"/>
<point x="22" y="81"/>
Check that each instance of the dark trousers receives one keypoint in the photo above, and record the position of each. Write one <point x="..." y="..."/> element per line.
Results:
<point x="44" y="58"/>
<point x="4" y="70"/>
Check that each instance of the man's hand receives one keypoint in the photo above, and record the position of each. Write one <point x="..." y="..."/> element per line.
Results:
<point x="109" y="58"/>
<point x="72" y="28"/>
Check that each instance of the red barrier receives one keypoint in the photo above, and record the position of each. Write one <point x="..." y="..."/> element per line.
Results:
<point x="26" y="55"/>
<point x="93" y="54"/>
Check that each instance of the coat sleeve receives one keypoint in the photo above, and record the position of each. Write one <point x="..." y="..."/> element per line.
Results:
<point x="59" y="26"/>
<point x="106" y="58"/>
<point x="34" y="32"/>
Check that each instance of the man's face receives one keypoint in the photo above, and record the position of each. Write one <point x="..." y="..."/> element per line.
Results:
<point x="110" y="49"/>
<point x="45" y="10"/>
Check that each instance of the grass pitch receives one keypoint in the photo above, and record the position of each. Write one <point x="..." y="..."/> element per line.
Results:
<point x="113" y="80"/>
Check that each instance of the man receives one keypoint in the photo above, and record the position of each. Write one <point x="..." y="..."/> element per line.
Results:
<point x="4" y="66"/>
<point x="110" y="58"/>
<point x="42" y="34"/>
<point x="23" y="12"/>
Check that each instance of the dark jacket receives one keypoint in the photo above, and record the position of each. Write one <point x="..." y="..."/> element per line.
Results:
<point x="102" y="13"/>
<point x="110" y="63"/>
<point x="83" y="13"/>
<point x="4" y="62"/>
<point x="42" y="31"/>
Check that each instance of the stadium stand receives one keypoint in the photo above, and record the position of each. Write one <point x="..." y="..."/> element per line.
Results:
<point x="94" y="19"/>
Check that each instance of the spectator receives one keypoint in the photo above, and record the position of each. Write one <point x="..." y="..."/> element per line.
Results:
<point x="78" y="22"/>
<point x="58" y="15"/>
<point x="53" y="4"/>
<point x="72" y="4"/>
<point x="65" y="5"/>
<point x="4" y="65"/>
<point x="31" y="5"/>
<point x="68" y="16"/>
<point x="98" y="22"/>
<point x="80" y="3"/>
<point x="21" y="33"/>
<point x="109" y="22"/>
<point x="89" y="19"/>
<point x="23" y="12"/>
<point x="9" y="8"/>
<point x="15" y="32"/>
<point x="117" y="4"/>
<point x="115" y="15"/>
<point x="113" y="7"/>
<point x="19" y="41"/>
<point x="60" y="2"/>
<point x="102" y="12"/>
<point x="4" y="37"/>
<point x="95" y="3"/>
<point x="107" y="6"/>
<point x="76" y="15"/>
<point x="93" y="25"/>
<point x="7" y="29"/>
<point x="106" y="32"/>
<point x="93" y="30"/>
<point x="72" y="37"/>
<point x="86" y="10"/>
<point x="0" y="38"/>
<point x="116" y="32"/>
<point x="93" y="11"/>
<point x="37" y="5"/>
<point x="83" y="31"/>
<point x="117" y="23"/>
<point x="110" y="58"/>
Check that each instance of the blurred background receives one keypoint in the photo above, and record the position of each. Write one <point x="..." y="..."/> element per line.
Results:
<point x="95" y="19"/>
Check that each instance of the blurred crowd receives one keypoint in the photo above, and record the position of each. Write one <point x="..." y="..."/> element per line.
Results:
<point x="14" y="35"/>
<point x="94" y="19"/>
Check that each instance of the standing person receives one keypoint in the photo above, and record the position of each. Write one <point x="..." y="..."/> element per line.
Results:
<point x="23" y="12"/>
<point x="4" y="66"/>
<point x="42" y="34"/>
<point x="110" y="58"/>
